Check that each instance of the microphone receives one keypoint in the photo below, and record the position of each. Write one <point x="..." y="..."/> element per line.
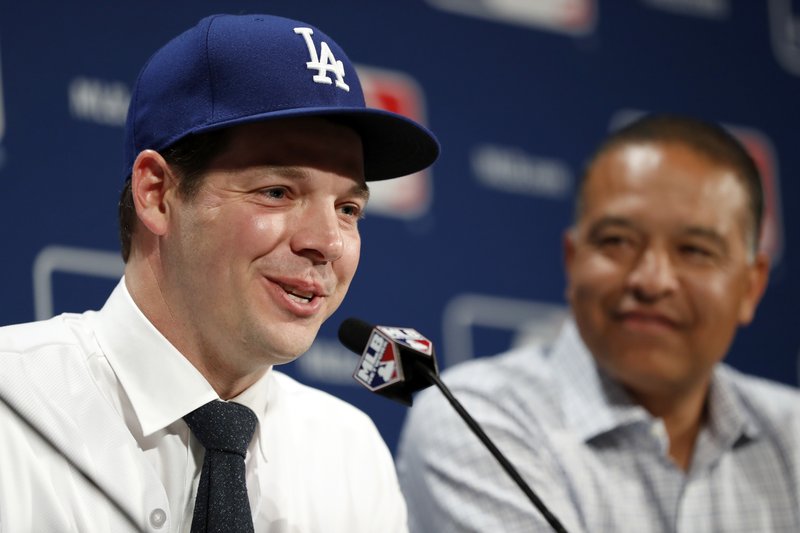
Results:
<point x="396" y="362"/>
<point x="393" y="360"/>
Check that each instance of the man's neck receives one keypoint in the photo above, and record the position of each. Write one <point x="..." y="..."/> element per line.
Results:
<point x="684" y="415"/>
<point x="228" y="377"/>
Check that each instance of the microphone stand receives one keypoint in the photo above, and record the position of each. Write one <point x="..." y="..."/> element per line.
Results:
<point x="484" y="438"/>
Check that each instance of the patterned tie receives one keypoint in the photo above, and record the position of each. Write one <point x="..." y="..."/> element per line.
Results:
<point x="224" y="429"/>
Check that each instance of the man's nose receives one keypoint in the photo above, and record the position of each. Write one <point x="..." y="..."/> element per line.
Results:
<point x="319" y="235"/>
<point x="653" y="274"/>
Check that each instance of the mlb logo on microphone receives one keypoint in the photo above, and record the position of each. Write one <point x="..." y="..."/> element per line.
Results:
<point x="378" y="367"/>
<point x="409" y="337"/>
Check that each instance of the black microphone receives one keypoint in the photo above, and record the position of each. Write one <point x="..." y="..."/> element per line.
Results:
<point x="392" y="359"/>
<point x="396" y="362"/>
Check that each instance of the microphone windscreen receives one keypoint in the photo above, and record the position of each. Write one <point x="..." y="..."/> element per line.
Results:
<point x="354" y="334"/>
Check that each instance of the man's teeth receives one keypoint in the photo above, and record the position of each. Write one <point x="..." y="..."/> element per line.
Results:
<point x="298" y="297"/>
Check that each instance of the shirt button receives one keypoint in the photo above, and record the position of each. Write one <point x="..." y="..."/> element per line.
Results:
<point x="158" y="518"/>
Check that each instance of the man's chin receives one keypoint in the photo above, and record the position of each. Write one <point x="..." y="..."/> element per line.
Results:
<point x="292" y="350"/>
<point x="289" y="354"/>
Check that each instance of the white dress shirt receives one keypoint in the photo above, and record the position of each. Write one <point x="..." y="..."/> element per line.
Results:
<point x="111" y="391"/>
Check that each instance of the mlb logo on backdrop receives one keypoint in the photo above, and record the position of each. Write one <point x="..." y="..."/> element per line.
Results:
<point x="761" y="150"/>
<point x="410" y="196"/>
<point x="574" y="17"/>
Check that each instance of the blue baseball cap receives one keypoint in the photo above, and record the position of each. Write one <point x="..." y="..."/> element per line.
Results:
<point x="235" y="69"/>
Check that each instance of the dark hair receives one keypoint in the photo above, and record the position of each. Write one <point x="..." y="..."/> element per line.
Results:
<point x="189" y="157"/>
<point x="708" y="139"/>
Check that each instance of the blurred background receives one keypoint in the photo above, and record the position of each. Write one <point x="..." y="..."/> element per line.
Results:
<point x="519" y="92"/>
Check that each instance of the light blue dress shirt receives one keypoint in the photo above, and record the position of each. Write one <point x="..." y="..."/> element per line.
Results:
<point x="598" y="461"/>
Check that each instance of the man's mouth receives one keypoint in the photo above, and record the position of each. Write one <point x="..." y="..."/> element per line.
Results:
<point x="647" y="318"/>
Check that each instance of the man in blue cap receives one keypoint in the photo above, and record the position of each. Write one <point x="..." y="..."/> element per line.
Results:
<point x="247" y="155"/>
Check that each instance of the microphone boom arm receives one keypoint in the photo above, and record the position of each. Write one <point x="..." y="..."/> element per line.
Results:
<point x="496" y="453"/>
<point x="81" y="471"/>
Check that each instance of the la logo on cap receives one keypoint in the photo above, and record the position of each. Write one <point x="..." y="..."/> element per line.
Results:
<point x="324" y="62"/>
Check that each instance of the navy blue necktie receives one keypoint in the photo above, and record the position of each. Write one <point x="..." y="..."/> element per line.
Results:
<point x="224" y="429"/>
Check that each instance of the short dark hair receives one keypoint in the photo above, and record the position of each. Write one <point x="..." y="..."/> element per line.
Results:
<point x="190" y="158"/>
<point x="709" y="139"/>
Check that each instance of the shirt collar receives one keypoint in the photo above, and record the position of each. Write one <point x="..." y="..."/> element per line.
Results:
<point x="595" y="404"/>
<point x="161" y="384"/>
<point x="729" y="418"/>
<point x="259" y="397"/>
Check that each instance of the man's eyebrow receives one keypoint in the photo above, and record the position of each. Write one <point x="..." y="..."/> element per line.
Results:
<point x="610" y="221"/>
<point x="360" y="189"/>
<point x="702" y="232"/>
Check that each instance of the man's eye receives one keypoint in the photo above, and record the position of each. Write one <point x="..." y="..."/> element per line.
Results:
<point x="353" y="211"/>
<point x="612" y="240"/>
<point x="697" y="251"/>
<point x="275" y="193"/>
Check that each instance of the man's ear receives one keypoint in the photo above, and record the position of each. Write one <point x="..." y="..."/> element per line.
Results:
<point x="568" y="247"/>
<point x="153" y="185"/>
<point x="567" y="256"/>
<point x="757" y="280"/>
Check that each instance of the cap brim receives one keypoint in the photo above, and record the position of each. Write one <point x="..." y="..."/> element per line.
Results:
<point x="393" y="145"/>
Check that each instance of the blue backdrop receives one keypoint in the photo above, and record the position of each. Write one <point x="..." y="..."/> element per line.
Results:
<point x="469" y="253"/>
